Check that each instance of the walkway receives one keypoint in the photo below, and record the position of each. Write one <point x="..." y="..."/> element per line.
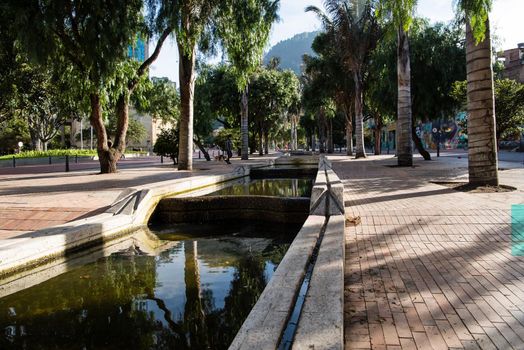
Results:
<point x="32" y="200"/>
<point x="429" y="267"/>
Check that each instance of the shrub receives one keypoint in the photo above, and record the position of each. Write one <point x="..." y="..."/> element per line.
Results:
<point x="167" y="144"/>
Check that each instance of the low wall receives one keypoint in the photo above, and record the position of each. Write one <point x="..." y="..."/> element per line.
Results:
<point x="221" y="208"/>
<point x="303" y="307"/>
<point x="130" y="212"/>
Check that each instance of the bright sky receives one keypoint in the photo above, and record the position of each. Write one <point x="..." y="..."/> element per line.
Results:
<point x="506" y="24"/>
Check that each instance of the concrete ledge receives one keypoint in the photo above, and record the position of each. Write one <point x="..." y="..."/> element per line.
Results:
<point x="128" y="214"/>
<point x="220" y="208"/>
<point x="321" y="323"/>
<point x="327" y="195"/>
<point x="266" y="321"/>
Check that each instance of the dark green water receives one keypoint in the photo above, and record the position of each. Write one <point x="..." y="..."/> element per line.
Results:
<point x="269" y="187"/>
<point x="193" y="293"/>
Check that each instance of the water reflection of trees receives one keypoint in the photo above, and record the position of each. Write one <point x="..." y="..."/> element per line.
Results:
<point x="111" y="304"/>
<point x="270" y="187"/>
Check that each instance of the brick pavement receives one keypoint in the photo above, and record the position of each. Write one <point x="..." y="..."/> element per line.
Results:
<point x="34" y="198"/>
<point x="429" y="267"/>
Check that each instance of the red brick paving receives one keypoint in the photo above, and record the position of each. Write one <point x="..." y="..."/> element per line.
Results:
<point x="428" y="267"/>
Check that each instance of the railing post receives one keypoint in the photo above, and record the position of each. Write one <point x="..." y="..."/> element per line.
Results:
<point x="67" y="163"/>
<point x="161" y="159"/>
<point x="49" y="159"/>
<point x="14" y="162"/>
<point x="76" y="158"/>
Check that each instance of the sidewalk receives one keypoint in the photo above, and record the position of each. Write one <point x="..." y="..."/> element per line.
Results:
<point x="429" y="267"/>
<point x="29" y="202"/>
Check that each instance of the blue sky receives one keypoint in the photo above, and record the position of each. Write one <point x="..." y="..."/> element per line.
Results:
<point x="506" y="19"/>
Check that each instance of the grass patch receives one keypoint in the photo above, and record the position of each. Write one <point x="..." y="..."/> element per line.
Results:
<point x="57" y="153"/>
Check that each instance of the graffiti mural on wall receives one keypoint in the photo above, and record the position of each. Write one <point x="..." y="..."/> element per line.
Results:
<point x="451" y="133"/>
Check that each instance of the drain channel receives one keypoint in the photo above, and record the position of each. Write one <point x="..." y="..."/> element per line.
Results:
<point x="288" y="335"/>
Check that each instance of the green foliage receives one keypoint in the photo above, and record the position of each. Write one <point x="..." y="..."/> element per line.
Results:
<point x="244" y="29"/>
<point x="399" y="12"/>
<point x="477" y="13"/>
<point x="509" y="106"/>
<point x="221" y="137"/>
<point x="135" y="130"/>
<point x="432" y="81"/>
<point x="272" y="93"/>
<point x="216" y="98"/>
<point x="13" y="131"/>
<point x="167" y="144"/>
<point x="290" y="51"/>
<point x="92" y="36"/>
<point x="51" y="153"/>
<point x="159" y="98"/>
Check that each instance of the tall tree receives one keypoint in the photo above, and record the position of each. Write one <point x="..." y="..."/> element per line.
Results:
<point x="354" y="24"/>
<point x="191" y="21"/>
<point x="400" y="13"/>
<point x="431" y="80"/>
<point x="244" y="28"/>
<point x="482" y="145"/>
<point x="92" y="36"/>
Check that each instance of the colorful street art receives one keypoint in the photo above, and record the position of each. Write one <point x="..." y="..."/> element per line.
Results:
<point x="451" y="133"/>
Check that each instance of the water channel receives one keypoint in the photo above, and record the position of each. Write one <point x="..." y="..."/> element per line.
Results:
<point x="192" y="290"/>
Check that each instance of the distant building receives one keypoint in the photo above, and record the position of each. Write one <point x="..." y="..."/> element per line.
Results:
<point x="514" y="63"/>
<point x="139" y="50"/>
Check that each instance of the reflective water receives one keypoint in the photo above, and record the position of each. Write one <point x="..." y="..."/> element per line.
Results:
<point x="194" y="292"/>
<point x="269" y="187"/>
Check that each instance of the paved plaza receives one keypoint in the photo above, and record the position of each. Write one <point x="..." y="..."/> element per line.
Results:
<point x="37" y="197"/>
<point x="429" y="267"/>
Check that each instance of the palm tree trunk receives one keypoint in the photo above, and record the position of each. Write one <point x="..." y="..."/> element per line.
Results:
<point x="482" y="148"/>
<point x="244" y="124"/>
<point x="186" y="68"/>
<point x="404" y="144"/>
<point x="360" y="152"/>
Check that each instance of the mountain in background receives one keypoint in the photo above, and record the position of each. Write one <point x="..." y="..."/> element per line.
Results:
<point x="290" y="51"/>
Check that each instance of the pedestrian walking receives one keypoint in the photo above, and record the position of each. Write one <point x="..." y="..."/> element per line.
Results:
<point x="228" y="147"/>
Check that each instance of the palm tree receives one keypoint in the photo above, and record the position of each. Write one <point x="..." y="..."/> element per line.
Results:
<point x="400" y="13"/>
<point x="354" y="24"/>
<point x="482" y="143"/>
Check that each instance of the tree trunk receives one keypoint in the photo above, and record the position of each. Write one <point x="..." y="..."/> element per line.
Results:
<point x="377" y="133"/>
<point x="418" y="144"/>
<point x="202" y="149"/>
<point x="349" y="137"/>
<point x="106" y="157"/>
<point x="187" y="89"/>
<point x="260" y="138"/>
<point x="244" y="124"/>
<point x="266" y="141"/>
<point x="378" y="145"/>
<point x="404" y="144"/>
<point x="330" y="147"/>
<point x="482" y="149"/>
<point x="321" y="132"/>
<point x="360" y="152"/>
